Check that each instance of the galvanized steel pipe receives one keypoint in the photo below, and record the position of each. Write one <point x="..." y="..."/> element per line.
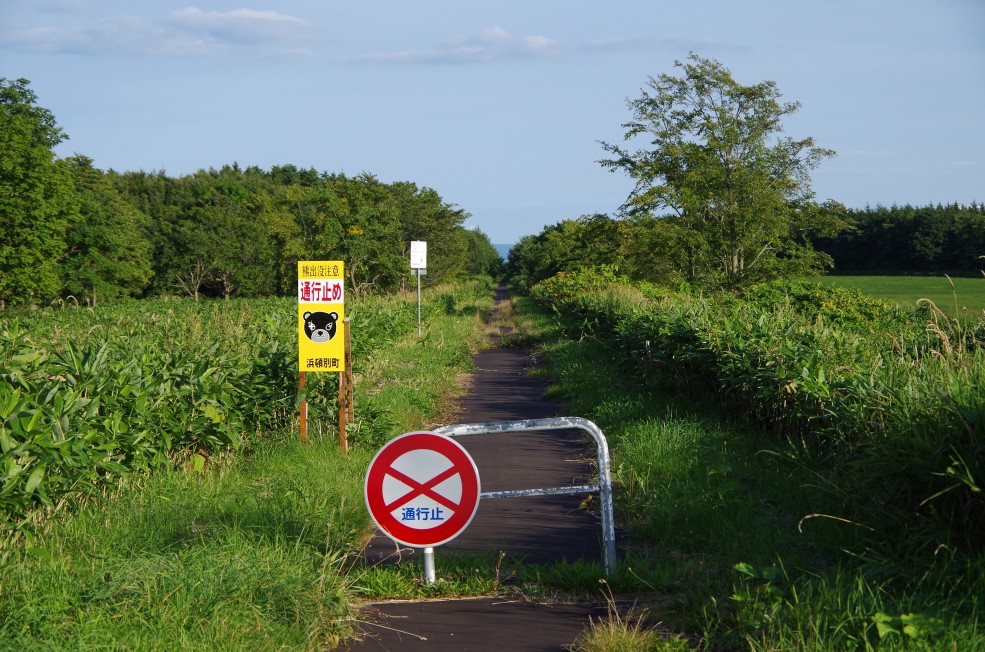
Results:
<point x="604" y="488"/>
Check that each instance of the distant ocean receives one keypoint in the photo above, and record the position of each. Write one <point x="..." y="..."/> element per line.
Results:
<point x="503" y="249"/>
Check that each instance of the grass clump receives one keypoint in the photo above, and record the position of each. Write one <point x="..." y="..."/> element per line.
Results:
<point x="627" y="633"/>
<point x="627" y="629"/>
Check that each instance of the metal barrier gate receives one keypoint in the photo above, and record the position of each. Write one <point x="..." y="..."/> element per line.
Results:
<point x="603" y="488"/>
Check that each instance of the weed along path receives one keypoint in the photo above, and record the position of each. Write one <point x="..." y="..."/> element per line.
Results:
<point x="528" y="530"/>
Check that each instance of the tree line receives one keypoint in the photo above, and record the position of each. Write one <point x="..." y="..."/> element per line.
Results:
<point x="933" y="239"/>
<point x="69" y="229"/>
<point x="911" y="240"/>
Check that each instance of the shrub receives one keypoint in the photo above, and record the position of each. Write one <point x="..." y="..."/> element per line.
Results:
<point x="90" y="397"/>
<point x="896" y="399"/>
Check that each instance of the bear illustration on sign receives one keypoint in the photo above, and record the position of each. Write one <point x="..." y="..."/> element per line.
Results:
<point x="320" y="326"/>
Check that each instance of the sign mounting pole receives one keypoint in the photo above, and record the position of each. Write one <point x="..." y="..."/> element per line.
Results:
<point x="304" y="409"/>
<point x="419" y="263"/>
<point x="429" y="576"/>
<point x="422" y="490"/>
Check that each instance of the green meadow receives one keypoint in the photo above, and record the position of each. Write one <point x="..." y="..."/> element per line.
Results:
<point x="962" y="295"/>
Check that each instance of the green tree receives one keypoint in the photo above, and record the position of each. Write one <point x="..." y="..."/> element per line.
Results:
<point x="162" y="199"/>
<point x="569" y="245"/>
<point x="537" y="257"/>
<point x="925" y="239"/>
<point x="108" y="255"/>
<point x="716" y="159"/>
<point x="283" y="236"/>
<point x="37" y="203"/>
<point x="424" y="215"/>
<point x="370" y="244"/>
<point x="241" y="232"/>
<point x="318" y="211"/>
<point x="483" y="259"/>
<point x="649" y="250"/>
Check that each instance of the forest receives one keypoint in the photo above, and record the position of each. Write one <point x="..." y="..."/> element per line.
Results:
<point x="910" y="240"/>
<point x="74" y="232"/>
<point x="933" y="239"/>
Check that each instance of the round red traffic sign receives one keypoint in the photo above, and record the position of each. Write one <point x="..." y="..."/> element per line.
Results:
<point x="422" y="489"/>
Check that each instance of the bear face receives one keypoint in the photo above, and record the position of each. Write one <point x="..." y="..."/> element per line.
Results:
<point x="320" y="327"/>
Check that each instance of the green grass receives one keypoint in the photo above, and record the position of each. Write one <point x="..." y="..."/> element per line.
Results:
<point x="967" y="296"/>
<point x="256" y="552"/>
<point x="249" y="556"/>
<point x="625" y="630"/>
<point x="731" y="540"/>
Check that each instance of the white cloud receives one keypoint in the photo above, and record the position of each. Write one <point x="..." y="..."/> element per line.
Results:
<point x="187" y="32"/>
<point x="495" y="43"/>
<point x="647" y="44"/>
<point x="245" y="26"/>
<point x="491" y="44"/>
<point x="621" y="44"/>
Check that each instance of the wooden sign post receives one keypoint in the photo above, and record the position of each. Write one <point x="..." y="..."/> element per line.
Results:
<point x="346" y="410"/>
<point x="302" y="377"/>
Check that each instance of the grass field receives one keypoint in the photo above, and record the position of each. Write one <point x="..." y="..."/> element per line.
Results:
<point x="820" y="524"/>
<point x="252" y="551"/>
<point x="967" y="293"/>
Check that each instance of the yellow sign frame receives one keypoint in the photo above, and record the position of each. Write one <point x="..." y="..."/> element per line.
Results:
<point x="321" y="316"/>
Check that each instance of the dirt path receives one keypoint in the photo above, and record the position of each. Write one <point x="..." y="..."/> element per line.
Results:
<point x="534" y="529"/>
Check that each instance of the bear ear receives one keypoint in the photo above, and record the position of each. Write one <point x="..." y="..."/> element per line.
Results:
<point x="306" y="316"/>
<point x="334" y="316"/>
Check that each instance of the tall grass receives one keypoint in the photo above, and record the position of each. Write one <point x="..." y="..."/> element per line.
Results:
<point x="253" y="551"/>
<point x="845" y="514"/>
<point x="248" y="558"/>
<point x="897" y="397"/>
<point x="88" y="397"/>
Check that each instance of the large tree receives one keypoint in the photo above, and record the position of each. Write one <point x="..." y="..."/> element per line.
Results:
<point x="37" y="202"/>
<point x="715" y="156"/>
<point x="483" y="259"/>
<point x="424" y="215"/>
<point x="108" y="254"/>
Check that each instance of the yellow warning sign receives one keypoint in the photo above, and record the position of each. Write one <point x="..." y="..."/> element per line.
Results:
<point x="321" y="315"/>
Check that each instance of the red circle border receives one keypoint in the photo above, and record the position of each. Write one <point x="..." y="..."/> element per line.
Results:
<point x="461" y="461"/>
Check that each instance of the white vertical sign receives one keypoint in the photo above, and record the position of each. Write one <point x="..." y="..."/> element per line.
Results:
<point x="418" y="254"/>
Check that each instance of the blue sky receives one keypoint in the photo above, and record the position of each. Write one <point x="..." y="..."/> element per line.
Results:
<point x="499" y="106"/>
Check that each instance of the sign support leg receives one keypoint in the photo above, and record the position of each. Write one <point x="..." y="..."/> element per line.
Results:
<point x="343" y="413"/>
<point x="348" y="372"/>
<point x="429" y="566"/>
<point x="418" y="303"/>
<point x="345" y="390"/>
<point x="304" y="411"/>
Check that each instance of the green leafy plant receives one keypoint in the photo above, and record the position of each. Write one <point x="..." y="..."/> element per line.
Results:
<point x="91" y="397"/>
<point x="913" y="626"/>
